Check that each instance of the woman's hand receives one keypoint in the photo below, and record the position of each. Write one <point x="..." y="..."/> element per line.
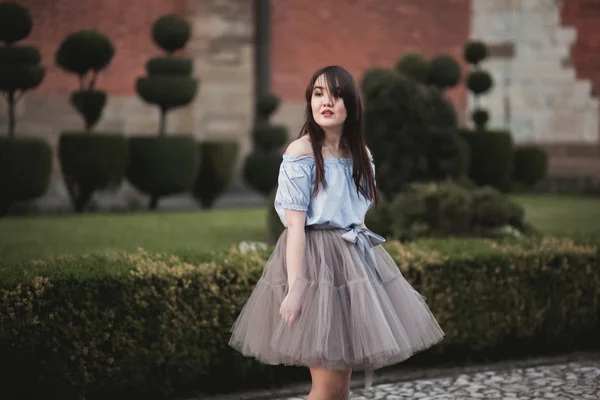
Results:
<point x="290" y="308"/>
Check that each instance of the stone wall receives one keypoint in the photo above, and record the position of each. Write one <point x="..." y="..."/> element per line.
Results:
<point x="221" y="48"/>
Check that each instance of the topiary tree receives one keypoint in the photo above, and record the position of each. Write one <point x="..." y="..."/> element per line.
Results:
<point x="262" y="165"/>
<point x="216" y="172"/>
<point x="162" y="166"/>
<point x="25" y="164"/>
<point x="479" y="81"/>
<point x="89" y="162"/>
<point x="169" y="84"/>
<point x="443" y="72"/>
<point x="414" y="65"/>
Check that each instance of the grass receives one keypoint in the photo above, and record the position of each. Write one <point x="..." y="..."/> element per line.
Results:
<point x="181" y="232"/>
<point x="38" y="237"/>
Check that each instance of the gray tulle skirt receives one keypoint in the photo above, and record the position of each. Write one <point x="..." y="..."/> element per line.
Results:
<point x="356" y="309"/>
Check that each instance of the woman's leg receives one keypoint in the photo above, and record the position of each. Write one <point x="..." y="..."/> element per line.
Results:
<point x="329" y="384"/>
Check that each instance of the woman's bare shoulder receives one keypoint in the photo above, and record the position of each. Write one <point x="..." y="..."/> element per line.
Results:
<point x="300" y="147"/>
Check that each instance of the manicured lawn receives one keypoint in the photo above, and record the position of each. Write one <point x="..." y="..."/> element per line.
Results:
<point x="37" y="237"/>
<point x="559" y="215"/>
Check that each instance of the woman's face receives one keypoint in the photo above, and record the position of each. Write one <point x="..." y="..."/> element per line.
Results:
<point x="328" y="111"/>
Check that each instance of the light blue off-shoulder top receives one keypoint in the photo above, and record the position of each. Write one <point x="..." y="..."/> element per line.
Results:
<point x="339" y="205"/>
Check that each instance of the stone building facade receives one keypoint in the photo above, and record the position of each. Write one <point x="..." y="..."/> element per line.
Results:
<point x="546" y="63"/>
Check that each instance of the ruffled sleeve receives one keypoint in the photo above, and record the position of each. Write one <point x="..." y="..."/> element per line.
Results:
<point x="295" y="183"/>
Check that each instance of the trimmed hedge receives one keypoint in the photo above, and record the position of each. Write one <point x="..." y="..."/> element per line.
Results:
<point x="218" y="162"/>
<point x="91" y="162"/>
<point x="491" y="157"/>
<point x="25" y="170"/>
<point x="530" y="164"/>
<point x="156" y="325"/>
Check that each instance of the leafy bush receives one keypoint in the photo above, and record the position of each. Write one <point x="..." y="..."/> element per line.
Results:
<point x="448" y="209"/>
<point x="443" y="72"/>
<point x="411" y="129"/>
<point x="261" y="167"/>
<point x="25" y="170"/>
<point x="19" y="65"/>
<point x="491" y="158"/>
<point x="169" y="85"/>
<point x="530" y="164"/>
<point x="150" y="326"/>
<point x="479" y="81"/>
<point x="163" y="166"/>
<point x="216" y="172"/>
<point x="25" y="164"/>
<point x="414" y="65"/>
<point x="89" y="162"/>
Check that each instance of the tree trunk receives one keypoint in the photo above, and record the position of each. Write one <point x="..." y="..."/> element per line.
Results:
<point x="153" y="202"/>
<point x="163" y="121"/>
<point x="11" y="113"/>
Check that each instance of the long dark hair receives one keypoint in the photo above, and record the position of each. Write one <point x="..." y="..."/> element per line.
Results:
<point x="341" y="85"/>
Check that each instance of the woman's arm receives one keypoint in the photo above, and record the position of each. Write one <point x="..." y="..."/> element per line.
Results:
<point x="296" y="239"/>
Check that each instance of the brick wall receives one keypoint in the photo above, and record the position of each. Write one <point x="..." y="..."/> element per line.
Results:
<point x="126" y="23"/>
<point x="360" y="34"/>
<point x="584" y="15"/>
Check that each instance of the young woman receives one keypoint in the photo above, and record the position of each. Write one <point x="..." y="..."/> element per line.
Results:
<point x="330" y="298"/>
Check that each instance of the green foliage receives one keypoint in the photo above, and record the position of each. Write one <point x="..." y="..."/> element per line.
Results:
<point x="85" y="51"/>
<point x="491" y="157"/>
<point x="530" y="164"/>
<point x="168" y="84"/>
<point x="19" y="65"/>
<point x="218" y="161"/>
<point x="261" y="167"/>
<point x="443" y="72"/>
<point x="448" y="209"/>
<point x="15" y="23"/>
<point x="411" y="129"/>
<point x="170" y="32"/>
<point x="378" y="218"/>
<point x="169" y="66"/>
<point x="90" y="104"/>
<point x="90" y="163"/>
<point x="25" y="170"/>
<point x="261" y="171"/>
<point x="494" y="299"/>
<point x="475" y="51"/>
<point x="479" y="82"/>
<point x="162" y="166"/>
<point x="480" y="118"/>
<point x="414" y="65"/>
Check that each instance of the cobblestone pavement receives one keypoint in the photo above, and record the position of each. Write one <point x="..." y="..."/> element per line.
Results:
<point x="573" y="380"/>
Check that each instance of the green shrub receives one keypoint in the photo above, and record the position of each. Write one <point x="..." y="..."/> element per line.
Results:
<point x="378" y="218"/>
<point x="150" y="326"/>
<point x="414" y="65"/>
<point x="163" y="166"/>
<point x="155" y="170"/>
<point x="478" y="80"/>
<point x="218" y="161"/>
<point x="25" y="170"/>
<point x="169" y="84"/>
<point x="19" y="65"/>
<point x="530" y="164"/>
<point x="412" y="130"/>
<point x="443" y="72"/>
<point x="261" y="167"/>
<point x="90" y="163"/>
<point x="447" y="209"/>
<point x="491" y="157"/>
